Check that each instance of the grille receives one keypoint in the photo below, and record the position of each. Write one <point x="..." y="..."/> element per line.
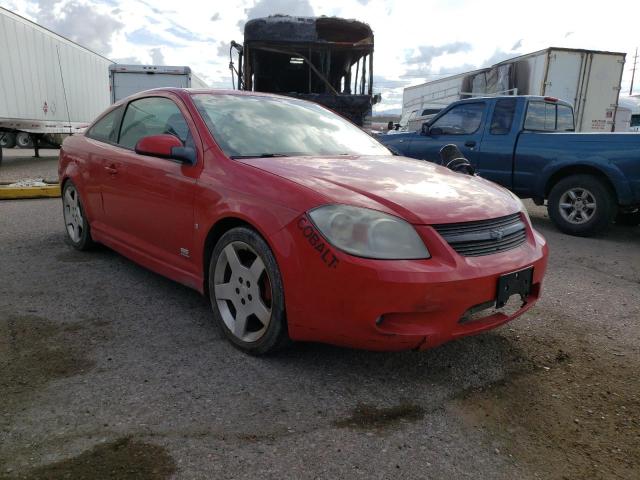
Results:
<point x="484" y="237"/>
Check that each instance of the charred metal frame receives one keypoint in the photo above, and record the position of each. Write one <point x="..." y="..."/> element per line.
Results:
<point x="322" y="59"/>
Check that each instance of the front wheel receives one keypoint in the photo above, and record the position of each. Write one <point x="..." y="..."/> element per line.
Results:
<point x="581" y="205"/>
<point x="246" y="292"/>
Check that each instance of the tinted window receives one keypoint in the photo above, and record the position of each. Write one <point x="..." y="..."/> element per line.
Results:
<point x="462" y="119"/>
<point x="540" y="116"/>
<point x="106" y="129"/>
<point x="430" y="111"/>
<point x="503" y="116"/>
<point x="152" y="116"/>
<point x="635" y="120"/>
<point x="251" y="126"/>
<point x="565" y="119"/>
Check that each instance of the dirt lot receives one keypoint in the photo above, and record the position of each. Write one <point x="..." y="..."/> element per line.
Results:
<point x="110" y="371"/>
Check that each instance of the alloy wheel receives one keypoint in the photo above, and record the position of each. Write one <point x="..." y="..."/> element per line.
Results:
<point x="243" y="291"/>
<point x="72" y="213"/>
<point x="577" y="205"/>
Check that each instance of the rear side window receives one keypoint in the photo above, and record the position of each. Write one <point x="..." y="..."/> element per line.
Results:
<point x="152" y="116"/>
<point x="461" y="120"/>
<point x="565" y="119"/>
<point x="503" y="116"/>
<point x="540" y="116"/>
<point x="549" y="117"/>
<point x="106" y="129"/>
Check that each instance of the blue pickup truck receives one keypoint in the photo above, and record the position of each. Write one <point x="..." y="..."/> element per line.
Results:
<point x="528" y="145"/>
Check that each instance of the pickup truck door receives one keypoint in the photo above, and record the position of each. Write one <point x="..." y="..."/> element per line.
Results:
<point x="496" y="152"/>
<point x="461" y="125"/>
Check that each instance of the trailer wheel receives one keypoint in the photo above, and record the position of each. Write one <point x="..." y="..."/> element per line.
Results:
<point x="7" y="140"/>
<point x="24" y="140"/>
<point x="581" y="205"/>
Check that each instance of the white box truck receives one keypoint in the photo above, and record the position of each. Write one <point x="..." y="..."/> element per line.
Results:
<point x="588" y="79"/>
<point x="49" y="85"/>
<point x="125" y="80"/>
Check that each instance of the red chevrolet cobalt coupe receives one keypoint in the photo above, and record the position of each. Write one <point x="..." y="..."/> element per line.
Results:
<point x="298" y="225"/>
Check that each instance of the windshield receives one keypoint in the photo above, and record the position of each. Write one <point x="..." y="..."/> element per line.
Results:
<point x="255" y="126"/>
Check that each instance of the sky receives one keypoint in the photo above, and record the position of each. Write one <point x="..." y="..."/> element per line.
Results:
<point x="415" y="41"/>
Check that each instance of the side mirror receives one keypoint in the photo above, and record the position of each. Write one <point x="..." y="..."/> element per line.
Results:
<point x="166" y="146"/>
<point x="425" y="129"/>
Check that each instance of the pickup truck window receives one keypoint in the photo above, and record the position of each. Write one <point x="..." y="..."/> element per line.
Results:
<point x="461" y="120"/>
<point x="503" y="116"/>
<point x="549" y="117"/>
<point x="565" y="119"/>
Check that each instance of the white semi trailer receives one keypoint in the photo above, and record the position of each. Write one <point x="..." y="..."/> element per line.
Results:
<point x="49" y="85"/>
<point x="589" y="79"/>
<point x="125" y="80"/>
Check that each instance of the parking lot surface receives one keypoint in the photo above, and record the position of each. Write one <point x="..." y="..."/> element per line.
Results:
<point x="110" y="371"/>
<point x="19" y="164"/>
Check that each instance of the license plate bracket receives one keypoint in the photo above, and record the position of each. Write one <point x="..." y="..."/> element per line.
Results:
<point x="515" y="283"/>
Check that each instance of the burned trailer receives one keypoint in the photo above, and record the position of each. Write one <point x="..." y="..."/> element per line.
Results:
<point x="327" y="60"/>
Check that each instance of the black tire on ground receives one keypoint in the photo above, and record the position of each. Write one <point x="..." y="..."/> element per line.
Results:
<point x="82" y="240"/>
<point x="598" y="193"/>
<point x="628" y="219"/>
<point x="24" y="140"/>
<point x="249" y="246"/>
<point x="7" y="140"/>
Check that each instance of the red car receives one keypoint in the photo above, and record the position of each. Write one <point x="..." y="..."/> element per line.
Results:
<point x="297" y="224"/>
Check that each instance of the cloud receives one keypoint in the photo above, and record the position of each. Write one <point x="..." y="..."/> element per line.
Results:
<point x="517" y="45"/>
<point x="426" y="53"/>
<point x="157" y="58"/>
<point x="128" y="60"/>
<point x="81" y="22"/>
<point x="215" y="17"/>
<point x="264" y="8"/>
<point x="497" y="57"/>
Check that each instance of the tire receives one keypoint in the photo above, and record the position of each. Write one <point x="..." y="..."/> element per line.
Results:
<point x="585" y="198"/>
<point x="7" y="140"/>
<point x="246" y="292"/>
<point x="78" y="231"/>
<point x="24" y="140"/>
<point x="628" y="219"/>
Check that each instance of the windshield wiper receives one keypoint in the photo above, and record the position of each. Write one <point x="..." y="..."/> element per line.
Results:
<point x="262" y="155"/>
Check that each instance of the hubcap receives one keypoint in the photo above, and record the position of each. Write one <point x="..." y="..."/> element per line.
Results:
<point x="243" y="291"/>
<point x="72" y="213"/>
<point x="577" y="205"/>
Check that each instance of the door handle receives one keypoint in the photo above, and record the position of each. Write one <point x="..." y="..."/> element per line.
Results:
<point x="111" y="169"/>
<point x="470" y="143"/>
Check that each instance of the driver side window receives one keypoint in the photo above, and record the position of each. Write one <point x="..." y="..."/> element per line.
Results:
<point x="153" y="116"/>
<point x="461" y="120"/>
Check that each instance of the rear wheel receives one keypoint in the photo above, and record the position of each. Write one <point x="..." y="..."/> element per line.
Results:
<point x="581" y="205"/>
<point x="246" y="292"/>
<point x="75" y="221"/>
<point x="7" y="140"/>
<point x="24" y="140"/>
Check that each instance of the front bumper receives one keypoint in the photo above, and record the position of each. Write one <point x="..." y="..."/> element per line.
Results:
<point x="336" y="298"/>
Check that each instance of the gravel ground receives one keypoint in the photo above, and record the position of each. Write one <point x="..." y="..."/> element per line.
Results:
<point x="18" y="164"/>
<point x="110" y="371"/>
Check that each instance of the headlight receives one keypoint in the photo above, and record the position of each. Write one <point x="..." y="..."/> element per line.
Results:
<point x="368" y="233"/>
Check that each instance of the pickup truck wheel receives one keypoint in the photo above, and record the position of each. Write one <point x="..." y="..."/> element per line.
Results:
<point x="581" y="205"/>
<point x="629" y="219"/>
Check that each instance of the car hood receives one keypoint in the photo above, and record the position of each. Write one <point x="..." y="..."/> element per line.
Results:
<point x="416" y="190"/>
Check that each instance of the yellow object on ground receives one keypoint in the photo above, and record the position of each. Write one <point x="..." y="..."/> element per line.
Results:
<point x="9" y="192"/>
